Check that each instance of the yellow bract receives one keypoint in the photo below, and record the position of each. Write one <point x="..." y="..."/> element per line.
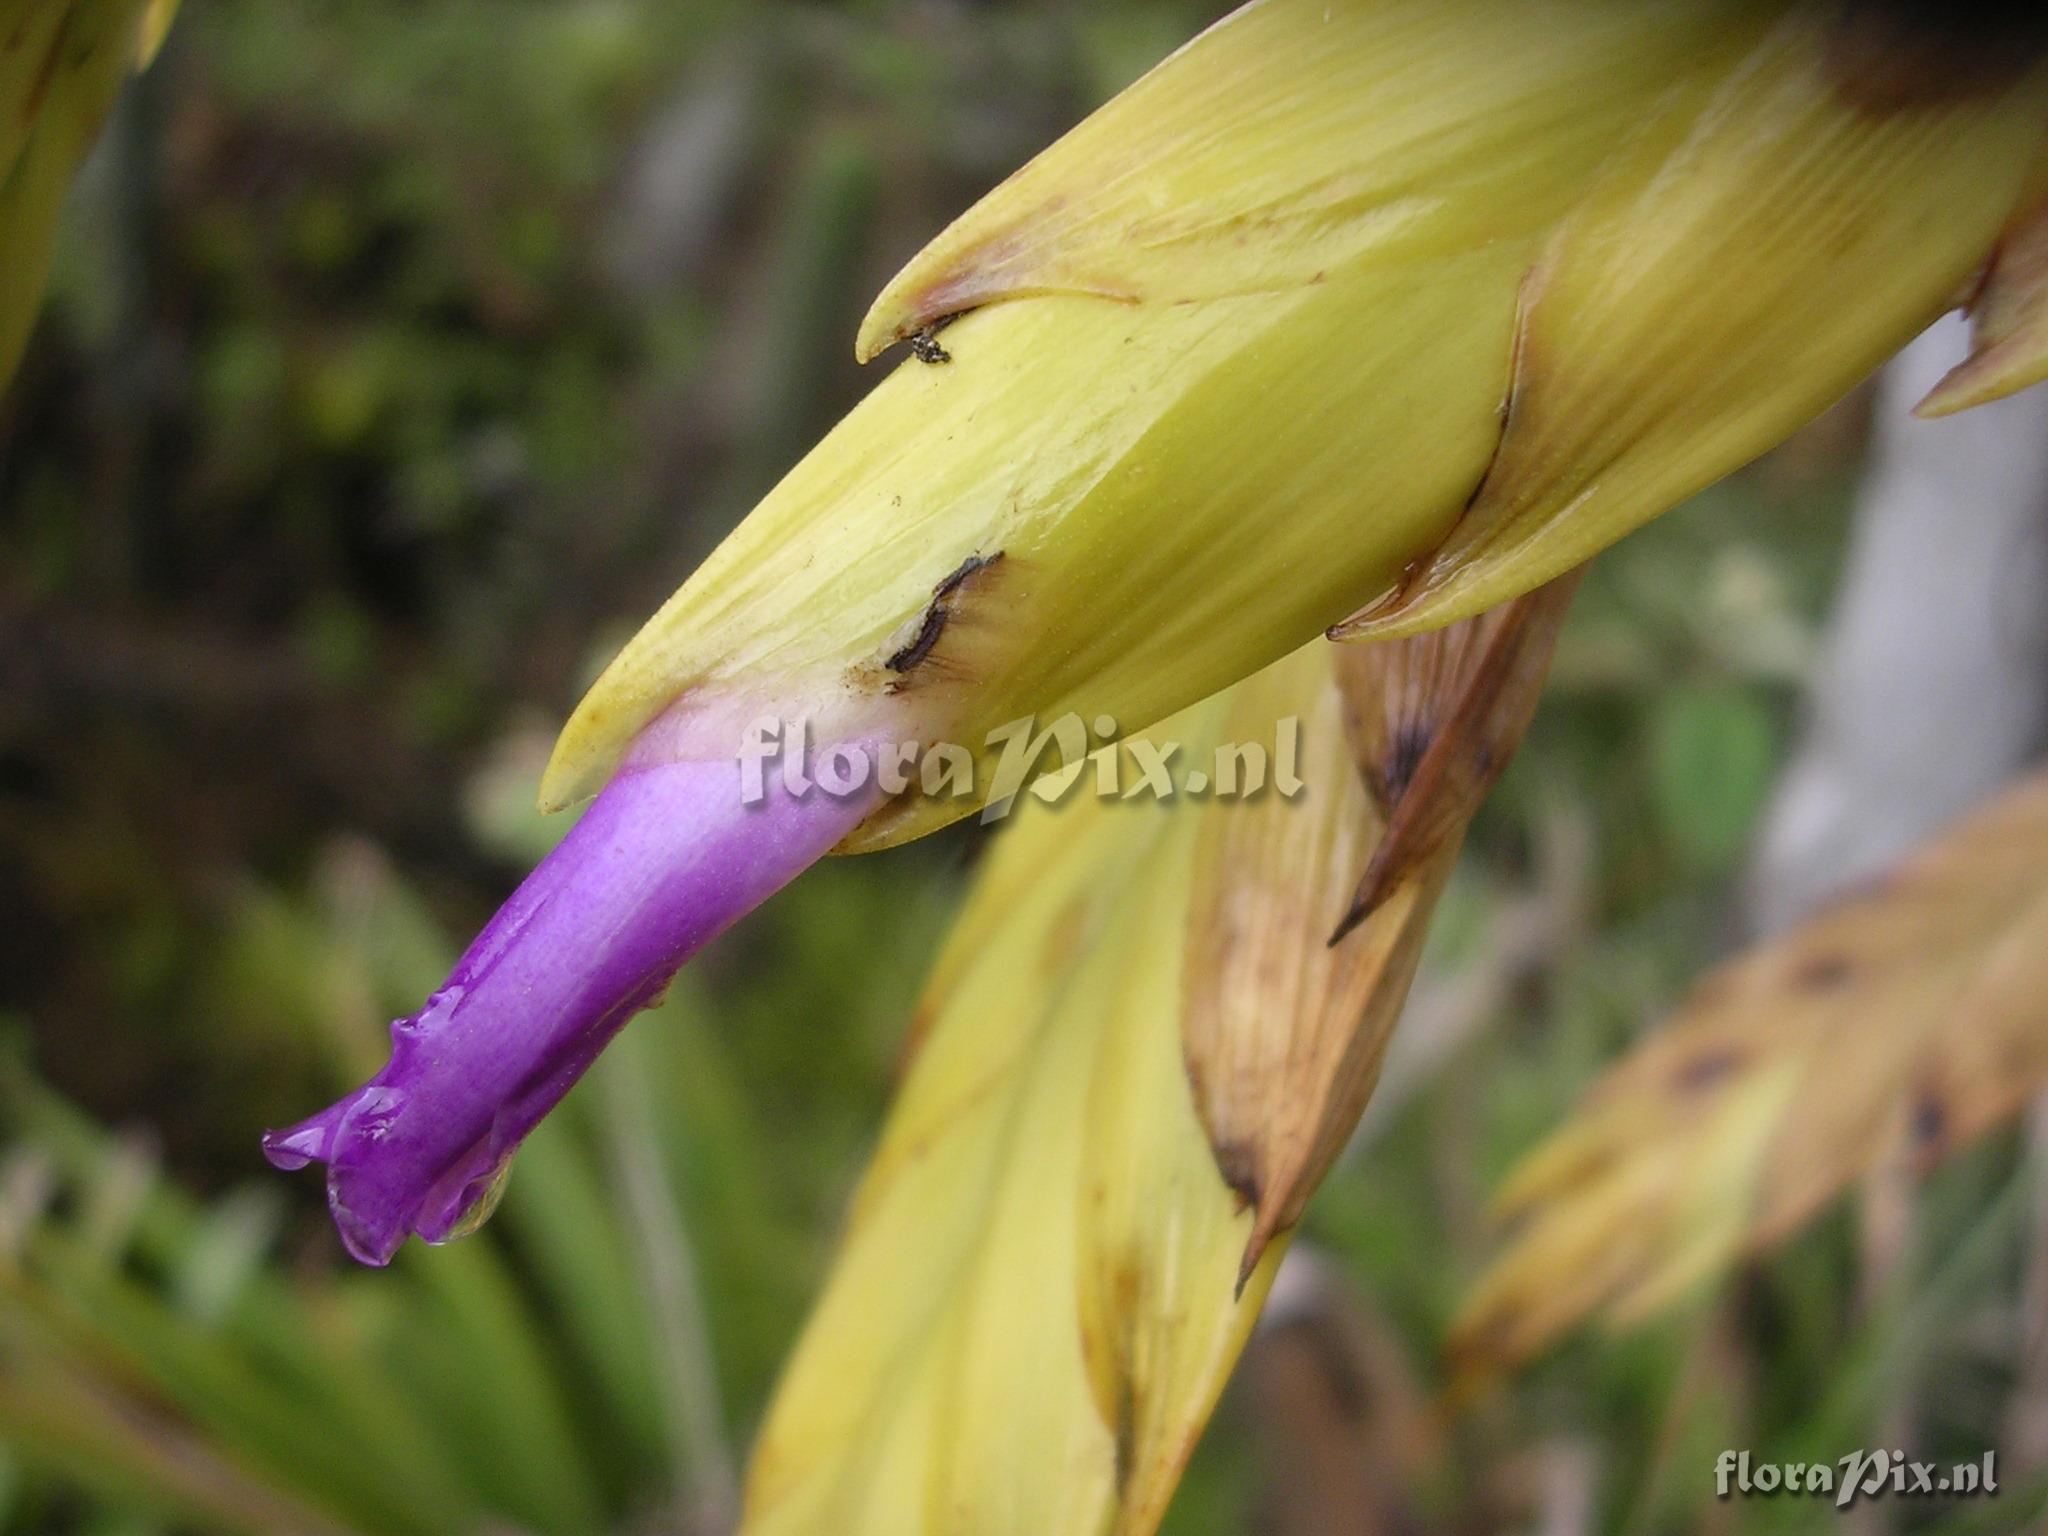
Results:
<point x="2009" y="317"/>
<point x="1034" y="1308"/>
<point x="1904" y="1021"/>
<point x="61" y="63"/>
<point x="1296" y="143"/>
<point x="1761" y="243"/>
<point x="1154" y="480"/>
<point x="1394" y="305"/>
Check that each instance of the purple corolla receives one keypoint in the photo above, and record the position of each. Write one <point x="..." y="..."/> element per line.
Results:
<point x="668" y="857"/>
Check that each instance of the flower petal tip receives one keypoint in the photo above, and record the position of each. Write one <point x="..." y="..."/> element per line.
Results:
<point x="343" y="1136"/>
<point x="294" y="1147"/>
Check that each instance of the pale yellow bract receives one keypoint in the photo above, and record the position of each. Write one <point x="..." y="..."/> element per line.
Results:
<point x="1035" y="1304"/>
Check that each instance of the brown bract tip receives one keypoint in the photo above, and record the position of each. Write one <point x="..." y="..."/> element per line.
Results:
<point x="1431" y="746"/>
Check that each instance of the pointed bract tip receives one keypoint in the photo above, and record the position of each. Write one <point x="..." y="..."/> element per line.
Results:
<point x="1987" y="376"/>
<point x="1373" y="892"/>
<point x="1265" y="1227"/>
<point x="1366" y="623"/>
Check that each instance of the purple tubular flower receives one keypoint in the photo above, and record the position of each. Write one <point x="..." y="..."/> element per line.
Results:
<point x="667" y="858"/>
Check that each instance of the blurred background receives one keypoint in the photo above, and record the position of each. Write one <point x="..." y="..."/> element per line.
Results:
<point x="401" y="358"/>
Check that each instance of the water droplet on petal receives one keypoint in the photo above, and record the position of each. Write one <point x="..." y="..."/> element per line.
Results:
<point x="298" y="1145"/>
<point x="369" y="1119"/>
<point x="480" y="1202"/>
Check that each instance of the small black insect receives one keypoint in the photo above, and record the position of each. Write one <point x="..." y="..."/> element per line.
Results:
<point x="924" y="346"/>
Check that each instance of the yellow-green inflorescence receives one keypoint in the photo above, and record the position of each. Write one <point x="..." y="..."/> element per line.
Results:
<point x="1378" y="311"/>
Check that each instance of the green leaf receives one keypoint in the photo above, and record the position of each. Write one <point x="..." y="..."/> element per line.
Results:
<point x="1713" y="750"/>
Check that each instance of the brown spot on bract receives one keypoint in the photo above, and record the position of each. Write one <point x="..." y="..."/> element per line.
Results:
<point x="928" y="633"/>
<point x="1823" y="973"/>
<point x="1466" y="698"/>
<point x="1064" y="937"/>
<point x="1406" y="752"/>
<point x="1930" y="1122"/>
<point x="932" y="628"/>
<point x="972" y="566"/>
<point x="1698" y="1073"/>
<point x="1239" y="1165"/>
<point x="1126" y="1436"/>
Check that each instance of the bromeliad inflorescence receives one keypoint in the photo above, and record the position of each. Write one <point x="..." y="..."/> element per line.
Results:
<point x="1363" y="316"/>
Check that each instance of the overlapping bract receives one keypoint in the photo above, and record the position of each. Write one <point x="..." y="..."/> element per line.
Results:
<point x="1138" y="1055"/>
<point x="1384" y="305"/>
<point x="2009" y="317"/>
<point x="1284" y="1037"/>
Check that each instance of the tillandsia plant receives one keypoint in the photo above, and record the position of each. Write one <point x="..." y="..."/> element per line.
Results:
<point x="61" y="64"/>
<point x="1357" y="317"/>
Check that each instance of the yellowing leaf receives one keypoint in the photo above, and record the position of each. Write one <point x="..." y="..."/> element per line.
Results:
<point x="1906" y="1019"/>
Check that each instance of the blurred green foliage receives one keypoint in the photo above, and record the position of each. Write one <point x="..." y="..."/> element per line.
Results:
<point x="403" y="357"/>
